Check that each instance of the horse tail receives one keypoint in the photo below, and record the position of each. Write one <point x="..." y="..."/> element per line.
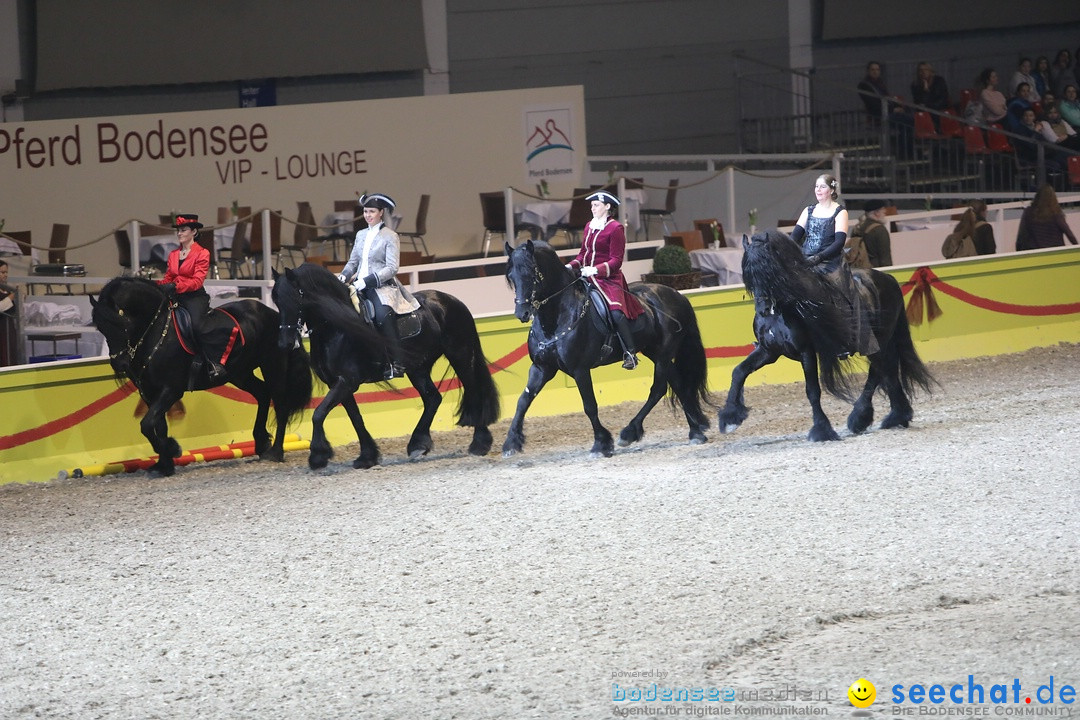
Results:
<point x="479" y="405"/>
<point x="298" y="386"/>
<point x="691" y="373"/>
<point x="913" y="372"/>
<point x="835" y="375"/>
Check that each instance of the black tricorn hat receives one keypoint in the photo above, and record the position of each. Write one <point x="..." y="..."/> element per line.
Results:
<point x="184" y="220"/>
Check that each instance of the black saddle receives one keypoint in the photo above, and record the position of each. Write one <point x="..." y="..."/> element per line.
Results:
<point x="217" y="327"/>
<point x="601" y="314"/>
<point x="408" y="325"/>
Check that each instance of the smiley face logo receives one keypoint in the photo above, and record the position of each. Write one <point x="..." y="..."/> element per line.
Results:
<point x="862" y="693"/>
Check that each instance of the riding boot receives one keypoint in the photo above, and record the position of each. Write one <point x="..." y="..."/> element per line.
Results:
<point x="393" y="367"/>
<point x="626" y="338"/>
<point x="194" y="371"/>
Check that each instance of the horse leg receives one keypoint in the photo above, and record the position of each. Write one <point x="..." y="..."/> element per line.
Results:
<point x="603" y="444"/>
<point x="420" y="443"/>
<point x="862" y="414"/>
<point x="320" y="451"/>
<point x="261" y="392"/>
<point x="515" y="436"/>
<point x="635" y="429"/>
<point x="822" y="429"/>
<point x="735" y="412"/>
<point x="369" y="455"/>
<point x="155" y="428"/>
<point x="900" y="410"/>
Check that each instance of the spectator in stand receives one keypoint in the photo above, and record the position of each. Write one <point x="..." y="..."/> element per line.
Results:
<point x="1018" y="103"/>
<point x="1023" y="75"/>
<point x="1041" y="74"/>
<point x="993" y="102"/>
<point x="929" y="89"/>
<point x="1056" y="130"/>
<point x="984" y="231"/>
<point x="1043" y="224"/>
<point x="1061" y="72"/>
<point x="1070" y="105"/>
<point x="1027" y="151"/>
<point x="1076" y="66"/>
<point x="874" y="94"/>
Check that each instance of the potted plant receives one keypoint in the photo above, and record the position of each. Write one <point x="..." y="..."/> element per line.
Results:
<point x="671" y="267"/>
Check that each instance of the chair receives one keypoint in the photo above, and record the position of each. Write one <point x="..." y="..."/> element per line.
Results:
<point x="58" y="251"/>
<point x="165" y="220"/>
<point x="996" y="139"/>
<point x="687" y="239"/>
<point x="951" y="127"/>
<point x="415" y="257"/>
<point x="975" y="141"/>
<point x="418" y="234"/>
<point x="237" y="255"/>
<point x="255" y="246"/>
<point x="123" y="250"/>
<point x="304" y="232"/>
<point x="966" y="96"/>
<point x="924" y="127"/>
<point x="1074" y="170"/>
<point x="705" y="228"/>
<point x="205" y="238"/>
<point x="579" y="216"/>
<point x="663" y="214"/>
<point x="493" y="206"/>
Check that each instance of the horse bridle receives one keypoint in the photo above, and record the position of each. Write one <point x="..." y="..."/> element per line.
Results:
<point x="538" y="279"/>
<point x="131" y="350"/>
<point x="299" y="324"/>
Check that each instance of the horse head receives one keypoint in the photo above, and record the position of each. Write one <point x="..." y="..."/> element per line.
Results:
<point x="287" y="295"/>
<point x="522" y="275"/>
<point x="536" y="274"/>
<point x="773" y="265"/>
<point x="123" y="313"/>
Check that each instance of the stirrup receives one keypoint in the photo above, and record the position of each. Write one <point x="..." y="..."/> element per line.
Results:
<point x="392" y="370"/>
<point x="215" y="371"/>
<point x="629" y="360"/>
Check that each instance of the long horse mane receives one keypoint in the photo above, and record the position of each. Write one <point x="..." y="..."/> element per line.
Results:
<point x="774" y="269"/>
<point x="124" y="293"/>
<point x="326" y="297"/>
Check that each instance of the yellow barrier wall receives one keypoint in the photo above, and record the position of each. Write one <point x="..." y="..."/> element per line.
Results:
<point x="62" y="416"/>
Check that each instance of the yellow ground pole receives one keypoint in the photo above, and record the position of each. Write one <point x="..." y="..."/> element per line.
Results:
<point x="57" y="417"/>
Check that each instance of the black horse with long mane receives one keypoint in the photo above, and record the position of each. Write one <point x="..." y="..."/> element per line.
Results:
<point x="138" y="322"/>
<point x="347" y="351"/>
<point x="801" y="314"/>
<point x="567" y="334"/>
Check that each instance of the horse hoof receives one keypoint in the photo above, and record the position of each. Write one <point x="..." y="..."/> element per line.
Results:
<point x="729" y="428"/>
<point x="623" y="442"/>
<point x="698" y="439"/>
<point x="417" y="453"/>
<point x="822" y="436"/>
<point x="509" y="452"/>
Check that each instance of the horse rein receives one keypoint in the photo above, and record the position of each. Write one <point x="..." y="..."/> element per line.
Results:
<point x="131" y="350"/>
<point x="537" y="304"/>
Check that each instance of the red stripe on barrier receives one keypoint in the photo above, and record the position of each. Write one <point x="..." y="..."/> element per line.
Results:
<point x="925" y="274"/>
<point x="68" y="421"/>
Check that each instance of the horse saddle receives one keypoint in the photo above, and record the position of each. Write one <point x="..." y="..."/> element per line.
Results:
<point x="408" y="324"/>
<point x="605" y="323"/>
<point x="218" y="328"/>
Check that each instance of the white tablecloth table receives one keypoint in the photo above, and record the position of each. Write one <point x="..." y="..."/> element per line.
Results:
<point x="725" y="262"/>
<point x="9" y="247"/>
<point x="156" y="247"/>
<point x="543" y="213"/>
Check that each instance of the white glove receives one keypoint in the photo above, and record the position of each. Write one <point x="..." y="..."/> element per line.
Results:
<point x="569" y="267"/>
<point x="588" y="271"/>
<point x="359" y="284"/>
<point x="341" y="277"/>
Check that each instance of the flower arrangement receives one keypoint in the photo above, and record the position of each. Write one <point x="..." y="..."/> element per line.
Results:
<point x="715" y="227"/>
<point x="235" y="209"/>
<point x="672" y="260"/>
<point x="544" y="188"/>
<point x="928" y="203"/>
<point x="753" y="217"/>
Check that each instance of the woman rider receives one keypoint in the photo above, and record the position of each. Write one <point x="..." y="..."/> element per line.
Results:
<point x="600" y="262"/>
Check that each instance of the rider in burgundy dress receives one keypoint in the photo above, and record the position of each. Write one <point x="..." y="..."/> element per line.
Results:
<point x="600" y="262"/>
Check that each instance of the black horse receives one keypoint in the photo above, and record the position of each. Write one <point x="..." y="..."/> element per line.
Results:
<point x="802" y="314"/>
<point x="137" y="320"/>
<point x="346" y="351"/>
<point x="567" y="334"/>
